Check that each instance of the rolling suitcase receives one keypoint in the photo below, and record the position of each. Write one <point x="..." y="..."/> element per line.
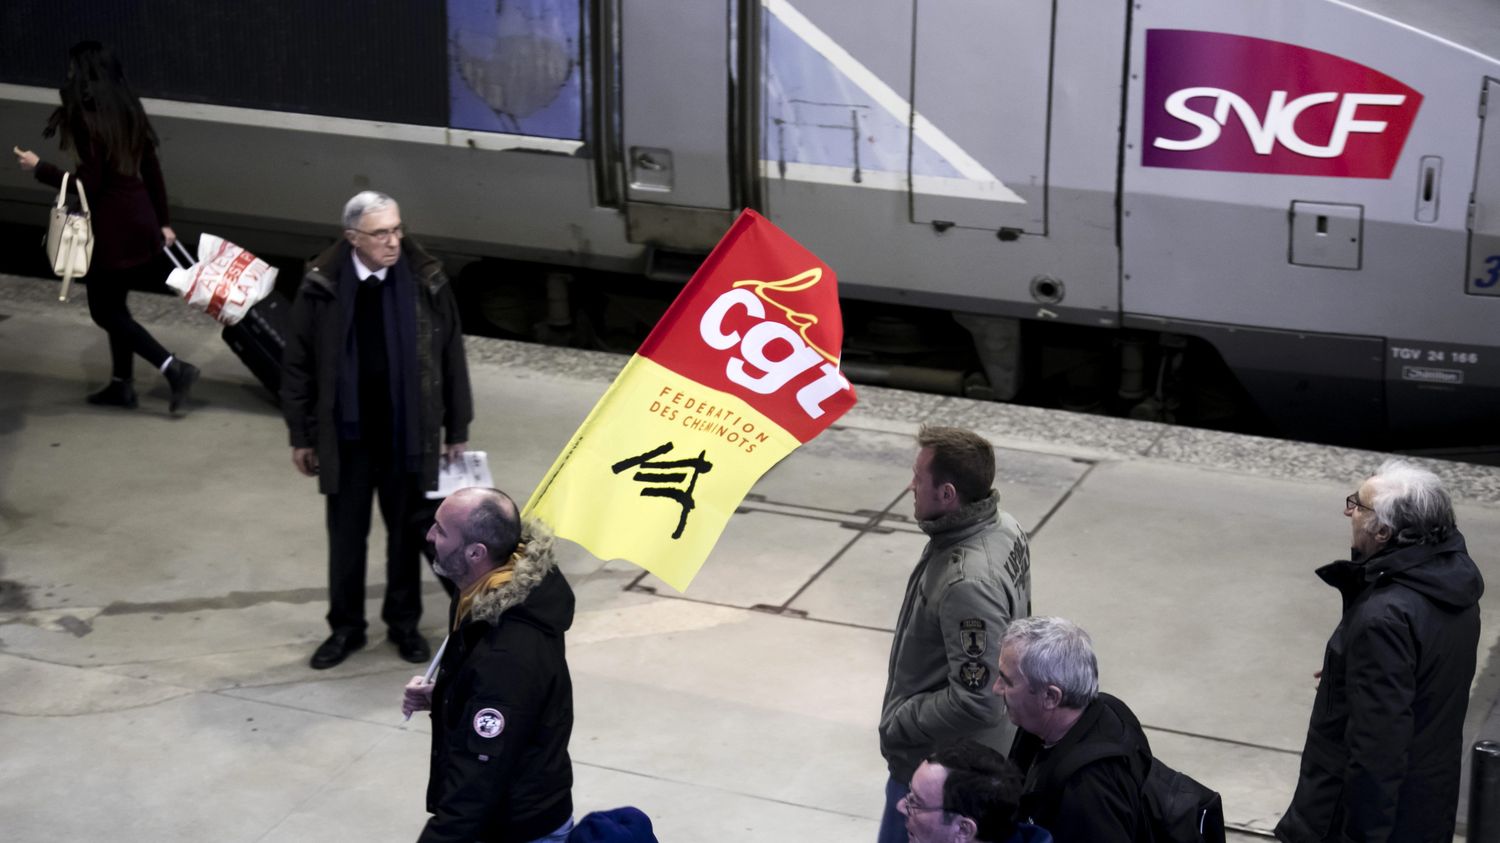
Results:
<point x="260" y="337"/>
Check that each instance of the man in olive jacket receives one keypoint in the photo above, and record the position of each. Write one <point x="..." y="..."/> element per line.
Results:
<point x="1385" y="739"/>
<point x="375" y="390"/>
<point x="974" y="577"/>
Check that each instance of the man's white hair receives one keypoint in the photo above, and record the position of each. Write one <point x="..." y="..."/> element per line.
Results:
<point x="1409" y="500"/>
<point x="363" y="203"/>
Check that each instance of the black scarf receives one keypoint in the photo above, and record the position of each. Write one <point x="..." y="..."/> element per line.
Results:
<point x="398" y="301"/>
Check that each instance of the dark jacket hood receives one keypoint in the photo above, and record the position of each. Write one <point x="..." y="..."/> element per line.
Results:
<point x="537" y="593"/>
<point x="1440" y="570"/>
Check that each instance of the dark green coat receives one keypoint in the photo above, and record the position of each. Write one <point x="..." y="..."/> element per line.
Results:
<point x="309" y="368"/>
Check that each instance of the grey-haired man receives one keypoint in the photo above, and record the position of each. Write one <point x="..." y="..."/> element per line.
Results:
<point x="1084" y="753"/>
<point x="375" y="390"/>
<point x="1385" y="739"/>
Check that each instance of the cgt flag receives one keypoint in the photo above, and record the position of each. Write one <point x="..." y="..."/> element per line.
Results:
<point x="742" y="369"/>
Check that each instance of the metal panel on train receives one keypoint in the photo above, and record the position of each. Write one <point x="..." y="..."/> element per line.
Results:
<point x="995" y="172"/>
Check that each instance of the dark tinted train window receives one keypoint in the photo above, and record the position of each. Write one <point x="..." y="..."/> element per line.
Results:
<point x="374" y="59"/>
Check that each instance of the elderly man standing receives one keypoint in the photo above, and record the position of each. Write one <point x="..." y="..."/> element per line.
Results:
<point x="1084" y="753"/>
<point x="502" y="706"/>
<point x="1385" y="740"/>
<point x="375" y="390"/>
<point x="973" y="578"/>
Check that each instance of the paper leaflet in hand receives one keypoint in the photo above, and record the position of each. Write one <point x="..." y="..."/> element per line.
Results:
<point x="471" y="468"/>
<point x="226" y="281"/>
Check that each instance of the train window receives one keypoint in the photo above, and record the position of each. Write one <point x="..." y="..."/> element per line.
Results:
<point x="515" y="67"/>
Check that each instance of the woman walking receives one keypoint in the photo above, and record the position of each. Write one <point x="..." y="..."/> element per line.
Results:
<point x="102" y="123"/>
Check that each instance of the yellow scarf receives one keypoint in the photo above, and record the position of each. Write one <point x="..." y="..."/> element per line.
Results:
<point x="484" y="585"/>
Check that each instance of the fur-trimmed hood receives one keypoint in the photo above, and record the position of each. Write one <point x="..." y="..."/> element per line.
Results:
<point x="550" y="608"/>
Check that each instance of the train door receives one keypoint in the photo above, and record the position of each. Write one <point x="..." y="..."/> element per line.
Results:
<point x="979" y="158"/>
<point x="675" y="117"/>
<point x="1484" y="204"/>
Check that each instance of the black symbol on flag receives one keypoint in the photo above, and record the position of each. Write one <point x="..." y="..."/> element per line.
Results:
<point x="671" y="474"/>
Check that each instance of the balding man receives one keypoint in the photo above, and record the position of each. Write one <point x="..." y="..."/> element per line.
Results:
<point x="1385" y="741"/>
<point x="375" y="391"/>
<point x="503" y="700"/>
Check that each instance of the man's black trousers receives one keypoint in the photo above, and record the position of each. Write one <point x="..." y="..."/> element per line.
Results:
<point x="364" y="477"/>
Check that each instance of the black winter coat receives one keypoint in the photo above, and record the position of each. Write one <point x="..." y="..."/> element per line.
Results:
<point x="503" y="714"/>
<point x="1087" y="787"/>
<point x="1385" y="739"/>
<point x="309" y="371"/>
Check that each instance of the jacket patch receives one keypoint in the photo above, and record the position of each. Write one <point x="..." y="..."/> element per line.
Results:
<point x="974" y="675"/>
<point x="488" y="723"/>
<point x="971" y="637"/>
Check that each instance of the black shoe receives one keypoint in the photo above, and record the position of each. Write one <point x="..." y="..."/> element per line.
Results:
<point x="181" y="377"/>
<point x="337" y="648"/>
<point x="119" y="393"/>
<point x="411" y="645"/>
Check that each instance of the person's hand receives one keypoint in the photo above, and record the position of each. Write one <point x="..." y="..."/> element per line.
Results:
<point x="454" y="451"/>
<point x="168" y="236"/>
<point x="417" y="696"/>
<point x="306" y="461"/>
<point x="1318" y="675"/>
<point x="26" y="158"/>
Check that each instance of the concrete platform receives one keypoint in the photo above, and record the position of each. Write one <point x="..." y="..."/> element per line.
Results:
<point x="162" y="585"/>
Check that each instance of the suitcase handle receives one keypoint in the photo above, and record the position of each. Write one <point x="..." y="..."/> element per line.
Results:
<point x="186" y="255"/>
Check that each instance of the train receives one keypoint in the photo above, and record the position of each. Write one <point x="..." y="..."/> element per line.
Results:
<point x="1305" y="194"/>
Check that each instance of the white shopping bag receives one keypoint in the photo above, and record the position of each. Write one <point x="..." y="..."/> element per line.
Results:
<point x="226" y="281"/>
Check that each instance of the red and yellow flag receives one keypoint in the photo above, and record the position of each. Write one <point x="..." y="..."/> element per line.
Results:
<point x="742" y="369"/>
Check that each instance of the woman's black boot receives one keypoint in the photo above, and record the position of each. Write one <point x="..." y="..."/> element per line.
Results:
<point x="180" y="377"/>
<point x="119" y="393"/>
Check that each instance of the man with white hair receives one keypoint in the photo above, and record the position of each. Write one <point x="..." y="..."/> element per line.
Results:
<point x="1083" y="752"/>
<point x="375" y="390"/>
<point x="1385" y="741"/>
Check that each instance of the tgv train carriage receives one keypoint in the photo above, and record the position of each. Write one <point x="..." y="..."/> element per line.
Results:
<point x="1306" y="190"/>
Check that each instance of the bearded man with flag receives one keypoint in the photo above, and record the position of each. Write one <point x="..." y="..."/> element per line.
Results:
<point x="502" y="703"/>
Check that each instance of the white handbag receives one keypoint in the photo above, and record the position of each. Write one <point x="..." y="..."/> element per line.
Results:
<point x="70" y="237"/>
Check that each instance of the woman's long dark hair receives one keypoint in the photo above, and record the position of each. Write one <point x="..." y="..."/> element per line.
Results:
<point x="100" y="115"/>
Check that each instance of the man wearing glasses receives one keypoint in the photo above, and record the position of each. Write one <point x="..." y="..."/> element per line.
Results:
<point x="1385" y="739"/>
<point x="967" y="793"/>
<point x="375" y="390"/>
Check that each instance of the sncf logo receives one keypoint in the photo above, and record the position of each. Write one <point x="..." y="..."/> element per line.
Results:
<point x="1228" y="102"/>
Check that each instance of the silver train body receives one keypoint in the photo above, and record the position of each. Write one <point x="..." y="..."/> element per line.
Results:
<point x="1312" y="187"/>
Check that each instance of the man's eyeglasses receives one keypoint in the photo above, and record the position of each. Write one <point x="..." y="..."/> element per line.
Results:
<point x="385" y="234"/>
<point x="1352" y="502"/>
<point x="915" y="807"/>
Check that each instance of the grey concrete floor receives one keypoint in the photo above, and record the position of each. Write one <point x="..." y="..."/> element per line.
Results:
<point x="162" y="585"/>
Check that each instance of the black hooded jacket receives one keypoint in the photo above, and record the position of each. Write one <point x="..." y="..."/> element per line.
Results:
<point x="1086" y="788"/>
<point x="502" y="711"/>
<point x="1385" y="739"/>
